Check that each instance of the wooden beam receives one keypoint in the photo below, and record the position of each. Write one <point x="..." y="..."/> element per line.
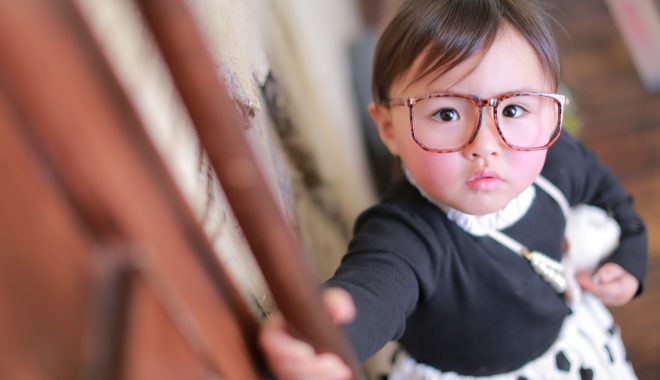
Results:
<point x="220" y="127"/>
<point x="93" y="144"/>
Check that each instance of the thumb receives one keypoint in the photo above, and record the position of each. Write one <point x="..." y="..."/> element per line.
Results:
<point x="340" y="305"/>
<point x="585" y="280"/>
<point x="608" y="273"/>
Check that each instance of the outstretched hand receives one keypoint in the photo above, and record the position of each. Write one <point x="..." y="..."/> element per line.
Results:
<point x="611" y="284"/>
<point x="291" y="358"/>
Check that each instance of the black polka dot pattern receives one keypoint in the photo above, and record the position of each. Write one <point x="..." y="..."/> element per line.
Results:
<point x="612" y="330"/>
<point x="562" y="363"/>
<point x="522" y="378"/>
<point x="586" y="374"/>
<point x="609" y="353"/>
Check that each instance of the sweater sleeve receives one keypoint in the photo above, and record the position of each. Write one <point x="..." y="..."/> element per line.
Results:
<point x="388" y="269"/>
<point x="583" y="179"/>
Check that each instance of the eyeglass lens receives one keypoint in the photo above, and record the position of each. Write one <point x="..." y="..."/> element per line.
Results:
<point x="449" y="122"/>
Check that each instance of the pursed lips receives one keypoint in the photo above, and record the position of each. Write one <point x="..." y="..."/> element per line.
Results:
<point x="484" y="179"/>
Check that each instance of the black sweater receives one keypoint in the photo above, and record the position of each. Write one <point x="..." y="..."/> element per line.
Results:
<point x="464" y="303"/>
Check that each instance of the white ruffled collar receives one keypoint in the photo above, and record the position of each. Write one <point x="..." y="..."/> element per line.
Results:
<point x="479" y="225"/>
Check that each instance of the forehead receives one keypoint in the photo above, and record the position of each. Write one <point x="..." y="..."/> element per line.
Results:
<point x="509" y="64"/>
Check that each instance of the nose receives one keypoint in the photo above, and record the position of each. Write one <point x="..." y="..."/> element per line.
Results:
<point x="487" y="142"/>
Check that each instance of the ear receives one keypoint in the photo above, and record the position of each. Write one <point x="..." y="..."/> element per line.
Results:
<point x="383" y="119"/>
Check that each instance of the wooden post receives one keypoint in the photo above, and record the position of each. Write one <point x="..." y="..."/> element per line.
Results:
<point x="220" y="128"/>
<point x="91" y="144"/>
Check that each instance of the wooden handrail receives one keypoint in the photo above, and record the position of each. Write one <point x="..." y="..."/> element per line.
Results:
<point x="87" y="135"/>
<point x="220" y="128"/>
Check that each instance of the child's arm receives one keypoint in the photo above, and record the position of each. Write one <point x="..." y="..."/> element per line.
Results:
<point x="291" y="358"/>
<point x="392" y="263"/>
<point x="584" y="180"/>
<point x="611" y="284"/>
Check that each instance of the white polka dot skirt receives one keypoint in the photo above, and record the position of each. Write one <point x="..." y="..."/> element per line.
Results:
<point x="589" y="347"/>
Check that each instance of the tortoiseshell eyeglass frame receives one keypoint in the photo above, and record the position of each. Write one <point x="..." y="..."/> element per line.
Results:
<point x="561" y="100"/>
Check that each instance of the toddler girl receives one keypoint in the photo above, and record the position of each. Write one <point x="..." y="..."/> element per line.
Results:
<point x="460" y="261"/>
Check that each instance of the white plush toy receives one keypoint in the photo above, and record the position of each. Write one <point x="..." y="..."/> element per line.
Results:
<point x="592" y="235"/>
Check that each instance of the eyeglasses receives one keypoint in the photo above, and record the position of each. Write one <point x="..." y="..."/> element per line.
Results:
<point x="446" y="122"/>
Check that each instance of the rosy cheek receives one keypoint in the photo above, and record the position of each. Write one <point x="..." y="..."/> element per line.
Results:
<point x="445" y="166"/>
<point x="435" y="171"/>
<point x="526" y="166"/>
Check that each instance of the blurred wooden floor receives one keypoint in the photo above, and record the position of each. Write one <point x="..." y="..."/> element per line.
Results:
<point x="622" y="124"/>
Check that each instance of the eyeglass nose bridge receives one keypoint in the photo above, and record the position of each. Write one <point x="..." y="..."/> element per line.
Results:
<point x="481" y="103"/>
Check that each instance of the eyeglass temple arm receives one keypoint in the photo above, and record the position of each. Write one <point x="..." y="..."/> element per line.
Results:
<point x="398" y="102"/>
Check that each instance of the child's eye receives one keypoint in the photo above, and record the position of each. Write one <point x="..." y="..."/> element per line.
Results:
<point x="447" y="114"/>
<point x="513" y="110"/>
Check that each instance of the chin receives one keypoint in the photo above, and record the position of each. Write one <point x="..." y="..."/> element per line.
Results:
<point x="483" y="207"/>
<point x="478" y="211"/>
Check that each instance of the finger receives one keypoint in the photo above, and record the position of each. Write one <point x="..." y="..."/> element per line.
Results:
<point x="610" y="294"/>
<point x="278" y="343"/>
<point x="593" y="284"/>
<point x="585" y="279"/>
<point x="326" y="366"/>
<point x="587" y="282"/>
<point x="620" y="291"/>
<point x="609" y="272"/>
<point x="287" y="358"/>
<point x="318" y="368"/>
<point x="331" y="364"/>
<point x="339" y="304"/>
<point x="291" y="358"/>
<point x="606" y="293"/>
<point x="616" y="292"/>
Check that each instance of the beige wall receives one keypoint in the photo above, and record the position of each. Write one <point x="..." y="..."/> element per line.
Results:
<point x="302" y="46"/>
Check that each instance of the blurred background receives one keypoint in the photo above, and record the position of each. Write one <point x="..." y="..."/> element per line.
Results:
<point x="300" y="74"/>
<point x="611" y="60"/>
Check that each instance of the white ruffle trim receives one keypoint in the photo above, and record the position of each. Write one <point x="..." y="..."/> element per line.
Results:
<point x="479" y="225"/>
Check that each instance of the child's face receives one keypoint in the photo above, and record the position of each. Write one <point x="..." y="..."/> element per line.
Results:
<point x="487" y="174"/>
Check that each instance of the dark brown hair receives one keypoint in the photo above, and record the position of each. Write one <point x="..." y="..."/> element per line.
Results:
<point x="448" y="32"/>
